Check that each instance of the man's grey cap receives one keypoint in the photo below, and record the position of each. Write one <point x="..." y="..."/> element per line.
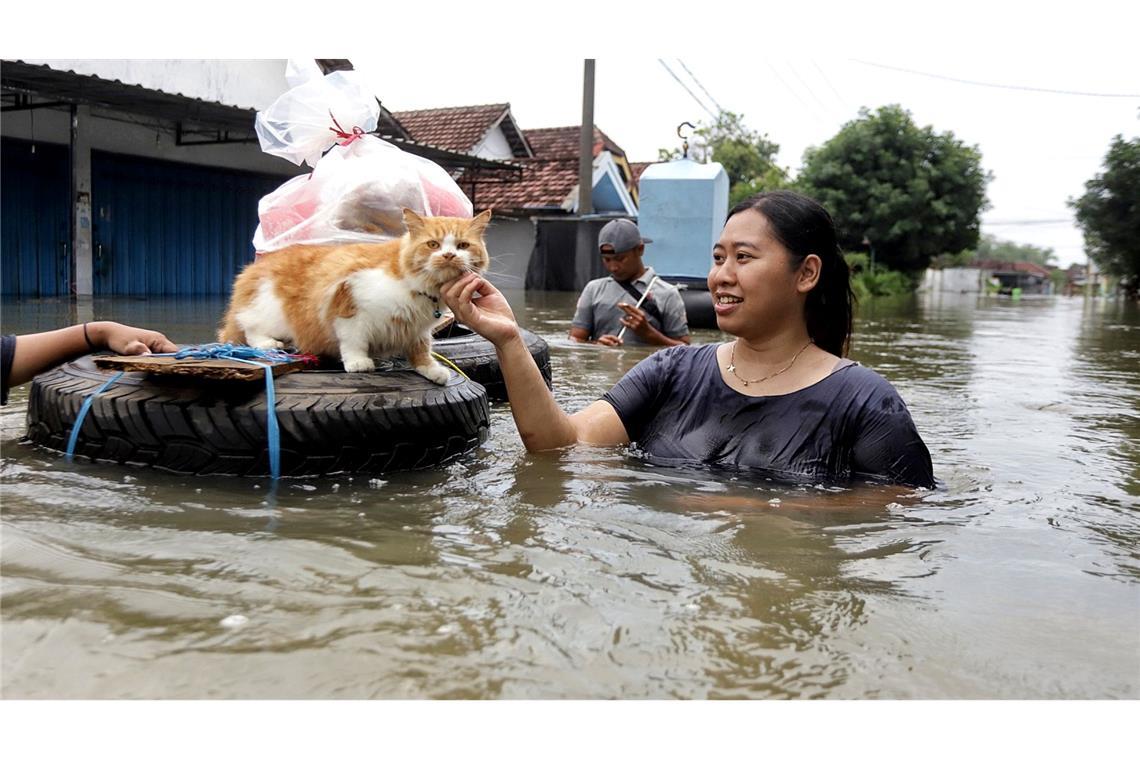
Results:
<point x="622" y="234"/>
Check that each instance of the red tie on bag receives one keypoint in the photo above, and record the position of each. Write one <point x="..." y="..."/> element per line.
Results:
<point x="348" y="137"/>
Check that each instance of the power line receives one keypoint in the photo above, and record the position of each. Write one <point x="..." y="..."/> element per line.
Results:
<point x="807" y="87"/>
<point x="998" y="86"/>
<point x="694" y="97"/>
<point x="792" y="90"/>
<point x="706" y="92"/>
<point x="1023" y="222"/>
<point x="833" y="90"/>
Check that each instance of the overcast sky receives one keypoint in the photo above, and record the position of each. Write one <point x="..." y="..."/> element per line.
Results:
<point x="1041" y="147"/>
<point x="763" y="60"/>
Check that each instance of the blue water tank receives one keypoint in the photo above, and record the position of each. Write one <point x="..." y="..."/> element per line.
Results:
<point x="683" y="205"/>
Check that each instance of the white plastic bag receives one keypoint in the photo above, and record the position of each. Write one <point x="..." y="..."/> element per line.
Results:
<point x="357" y="190"/>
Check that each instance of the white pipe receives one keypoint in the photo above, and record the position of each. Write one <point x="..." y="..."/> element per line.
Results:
<point x="641" y="300"/>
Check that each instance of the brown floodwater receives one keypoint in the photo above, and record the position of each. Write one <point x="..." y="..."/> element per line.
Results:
<point x="588" y="573"/>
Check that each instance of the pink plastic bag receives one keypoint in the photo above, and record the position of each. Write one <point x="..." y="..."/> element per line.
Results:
<point x="357" y="190"/>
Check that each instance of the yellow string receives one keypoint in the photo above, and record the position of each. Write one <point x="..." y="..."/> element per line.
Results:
<point x="447" y="361"/>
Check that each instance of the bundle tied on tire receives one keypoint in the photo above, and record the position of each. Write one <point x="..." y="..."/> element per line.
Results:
<point x="330" y="422"/>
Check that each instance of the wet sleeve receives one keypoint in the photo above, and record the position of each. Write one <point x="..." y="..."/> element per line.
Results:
<point x="676" y="321"/>
<point x="637" y="397"/>
<point x="887" y="445"/>
<point x="7" y="352"/>
<point x="584" y="313"/>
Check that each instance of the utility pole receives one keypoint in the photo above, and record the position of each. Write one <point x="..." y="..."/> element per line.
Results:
<point x="584" y="253"/>
<point x="586" y="143"/>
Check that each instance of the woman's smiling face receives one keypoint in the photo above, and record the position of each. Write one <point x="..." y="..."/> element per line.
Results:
<point x="752" y="281"/>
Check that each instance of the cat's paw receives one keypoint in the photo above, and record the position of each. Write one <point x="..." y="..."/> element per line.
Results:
<point x="360" y="364"/>
<point x="265" y="343"/>
<point x="437" y="373"/>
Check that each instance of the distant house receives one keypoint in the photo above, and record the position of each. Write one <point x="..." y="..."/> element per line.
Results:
<point x="1026" y="276"/>
<point x="987" y="276"/>
<point x="535" y="214"/>
<point x="1085" y="279"/>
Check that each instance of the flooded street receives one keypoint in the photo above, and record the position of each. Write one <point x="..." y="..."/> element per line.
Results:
<point x="591" y="574"/>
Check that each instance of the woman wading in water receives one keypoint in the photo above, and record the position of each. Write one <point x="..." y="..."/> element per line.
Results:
<point x="780" y="398"/>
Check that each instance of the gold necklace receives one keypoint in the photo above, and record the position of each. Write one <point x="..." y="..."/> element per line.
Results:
<point x="732" y="365"/>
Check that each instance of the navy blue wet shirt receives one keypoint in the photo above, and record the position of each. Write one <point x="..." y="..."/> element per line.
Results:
<point x="851" y="425"/>
<point x="7" y="351"/>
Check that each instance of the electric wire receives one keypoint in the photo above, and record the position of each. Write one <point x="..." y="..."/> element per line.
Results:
<point x="698" y="82"/>
<point x="691" y="94"/>
<point x="807" y="87"/>
<point x="1028" y="222"/>
<point x="792" y="90"/>
<point x="999" y="86"/>
<point x="831" y="87"/>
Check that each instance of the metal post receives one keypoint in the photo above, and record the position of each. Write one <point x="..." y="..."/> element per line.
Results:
<point x="82" y="264"/>
<point x="584" y="242"/>
<point x="586" y="143"/>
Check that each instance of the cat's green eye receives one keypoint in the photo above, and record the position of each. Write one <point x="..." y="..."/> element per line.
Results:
<point x="433" y="244"/>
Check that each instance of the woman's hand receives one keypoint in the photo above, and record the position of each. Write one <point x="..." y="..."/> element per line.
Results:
<point x="129" y="341"/>
<point x="490" y="315"/>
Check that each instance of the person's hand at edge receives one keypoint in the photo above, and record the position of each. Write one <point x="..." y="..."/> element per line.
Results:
<point x="128" y="340"/>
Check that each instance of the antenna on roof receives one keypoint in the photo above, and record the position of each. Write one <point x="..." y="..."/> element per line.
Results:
<point x="684" y="138"/>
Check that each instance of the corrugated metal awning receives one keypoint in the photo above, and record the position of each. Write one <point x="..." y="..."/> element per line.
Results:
<point x="27" y="85"/>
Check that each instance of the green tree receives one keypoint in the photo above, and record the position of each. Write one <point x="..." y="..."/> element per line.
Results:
<point x="991" y="248"/>
<point x="911" y="192"/>
<point x="1109" y="213"/>
<point x="748" y="157"/>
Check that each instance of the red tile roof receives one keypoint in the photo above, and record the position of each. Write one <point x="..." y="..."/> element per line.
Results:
<point x="1027" y="267"/>
<point x="562" y="142"/>
<point x="548" y="179"/>
<point x="637" y="168"/>
<point x="545" y="184"/>
<point x="460" y="128"/>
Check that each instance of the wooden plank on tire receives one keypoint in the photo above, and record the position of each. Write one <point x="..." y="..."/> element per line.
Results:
<point x="208" y="369"/>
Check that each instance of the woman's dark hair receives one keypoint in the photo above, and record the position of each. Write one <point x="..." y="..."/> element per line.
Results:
<point x="804" y="227"/>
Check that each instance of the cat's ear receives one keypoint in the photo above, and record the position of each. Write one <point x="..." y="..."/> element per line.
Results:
<point x="481" y="220"/>
<point x="413" y="221"/>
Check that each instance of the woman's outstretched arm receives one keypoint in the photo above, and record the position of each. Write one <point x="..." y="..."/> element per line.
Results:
<point x="541" y="422"/>
<point x="38" y="352"/>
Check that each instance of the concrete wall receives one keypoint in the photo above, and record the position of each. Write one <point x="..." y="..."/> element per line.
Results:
<point x="243" y="83"/>
<point x="112" y="132"/>
<point x="494" y="146"/>
<point x="954" y="280"/>
<point x="510" y="243"/>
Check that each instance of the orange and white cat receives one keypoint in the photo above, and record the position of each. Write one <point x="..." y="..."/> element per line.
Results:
<point x="357" y="300"/>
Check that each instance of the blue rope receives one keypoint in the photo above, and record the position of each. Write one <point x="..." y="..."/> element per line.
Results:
<point x="243" y="354"/>
<point x="271" y="425"/>
<point x="83" y="413"/>
<point x="248" y="355"/>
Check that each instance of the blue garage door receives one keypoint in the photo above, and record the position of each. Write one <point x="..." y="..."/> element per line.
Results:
<point x="34" y="219"/>
<point x="165" y="228"/>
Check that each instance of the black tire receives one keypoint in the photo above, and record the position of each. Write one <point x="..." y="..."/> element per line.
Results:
<point x="330" y="422"/>
<point x="699" y="309"/>
<point x="476" y="357"/>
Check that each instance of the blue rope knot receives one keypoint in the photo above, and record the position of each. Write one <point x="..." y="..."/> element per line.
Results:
<point x="230" y="351"/>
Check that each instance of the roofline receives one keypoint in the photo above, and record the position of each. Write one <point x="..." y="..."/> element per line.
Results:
<point x="519" y="134"/>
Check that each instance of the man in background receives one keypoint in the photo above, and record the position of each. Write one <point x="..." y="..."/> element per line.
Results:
<point x="607" y="304"/>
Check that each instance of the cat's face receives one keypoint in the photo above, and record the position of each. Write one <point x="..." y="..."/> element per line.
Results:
<point x="443" y="247"/>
